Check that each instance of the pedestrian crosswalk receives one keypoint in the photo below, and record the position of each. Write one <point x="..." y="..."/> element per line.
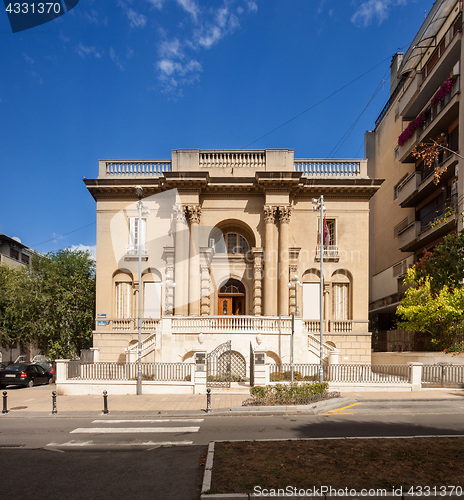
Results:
<point x="105" y="433"/>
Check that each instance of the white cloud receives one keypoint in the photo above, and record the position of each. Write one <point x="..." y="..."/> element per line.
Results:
<point x="85" y="50"/>
<point x="136" y="20"/>
<point x="27" y="58"/>
<point x="190" y="6"/>
<point x="369" y="11"/>
<point x="92" y="249"/>
<point x="204" y="28"/>
<point x="114" y="57"/>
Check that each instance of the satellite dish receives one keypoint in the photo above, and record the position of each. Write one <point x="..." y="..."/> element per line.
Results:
<point x="16" y="239"/>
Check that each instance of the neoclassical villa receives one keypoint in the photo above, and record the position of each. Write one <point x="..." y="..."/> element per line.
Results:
<point x="230" y="250"/>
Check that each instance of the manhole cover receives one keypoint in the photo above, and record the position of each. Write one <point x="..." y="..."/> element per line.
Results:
<point x="19" y="408"/>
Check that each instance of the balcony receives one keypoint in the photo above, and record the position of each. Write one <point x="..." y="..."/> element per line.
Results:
<point x="436" y="120"/>
<point x="423" y="85"/>
<point x="330" y="252"/>
<point x="132" y="252"/>
<point x="420" y="183"/>
<point x="433" y="225"/>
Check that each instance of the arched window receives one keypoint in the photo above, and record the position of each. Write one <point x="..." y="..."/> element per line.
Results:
<point x="341" y="296"/>
<point x="232" y="286"/>
<point x="123" y="295"/>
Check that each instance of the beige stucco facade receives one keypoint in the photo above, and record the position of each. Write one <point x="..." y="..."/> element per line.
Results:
<point x="222" y="234"/>
<point x="411" y="213"/>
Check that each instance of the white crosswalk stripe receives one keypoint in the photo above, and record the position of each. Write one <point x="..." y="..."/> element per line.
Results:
<point x="128" y="426"/>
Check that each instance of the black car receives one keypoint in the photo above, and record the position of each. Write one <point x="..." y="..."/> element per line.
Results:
<point x="24" y="374"/>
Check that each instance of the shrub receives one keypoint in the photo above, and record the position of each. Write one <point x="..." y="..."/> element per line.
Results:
<point x="288" y="394"/>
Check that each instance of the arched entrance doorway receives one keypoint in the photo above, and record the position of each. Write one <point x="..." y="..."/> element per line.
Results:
<point x="231" y="298"/>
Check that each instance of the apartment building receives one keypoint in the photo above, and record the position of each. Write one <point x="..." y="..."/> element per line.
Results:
<point x="229" y="249"/>
<point x="412" y="212"/>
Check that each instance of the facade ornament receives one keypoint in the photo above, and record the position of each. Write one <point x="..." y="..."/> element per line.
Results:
<point x="284" y="214"/>
<point x="269" y="214"/>
<point x="179" y="212"/>
<point x="193" y="213"/>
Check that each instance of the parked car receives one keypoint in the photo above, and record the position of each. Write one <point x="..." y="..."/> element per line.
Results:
<point x="26" y="374"/>
<point x="47" y="366"/>
<point x="2" y="365"/>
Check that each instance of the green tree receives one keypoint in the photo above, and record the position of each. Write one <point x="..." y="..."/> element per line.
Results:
<point x="445" y="265"/>
<point x="50" y="304"/>
<point x="438" y="311"/>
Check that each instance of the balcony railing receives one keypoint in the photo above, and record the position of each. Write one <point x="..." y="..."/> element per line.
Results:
<point x="330" y="252"/>
<point x="128" y="324"/>
<point x="133" y="250"/>
<point x="331" y="168"/>
<point x="231" y="324"/>
<point x="232" y="159"/>
<point x="140" y="168"/>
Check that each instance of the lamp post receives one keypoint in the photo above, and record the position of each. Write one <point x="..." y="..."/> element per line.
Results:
<point x="294" y="313"/>
<point x="319" y="205"/>
<point x="139" y="193"/>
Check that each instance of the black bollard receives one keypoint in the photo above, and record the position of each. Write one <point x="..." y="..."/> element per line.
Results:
<point x="5" y="410"/>
<point x="208" y="400"/>
<point x="105" y="402"/>
<point x="54" y="412"/>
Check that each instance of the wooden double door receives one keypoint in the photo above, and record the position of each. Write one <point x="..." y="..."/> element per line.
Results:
<point x="231" y="305"/>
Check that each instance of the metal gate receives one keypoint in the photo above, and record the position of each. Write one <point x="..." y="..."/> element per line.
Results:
<point x="443" y="375"/>
<point x="252" y="366"/>
<point x="218" y="366"/>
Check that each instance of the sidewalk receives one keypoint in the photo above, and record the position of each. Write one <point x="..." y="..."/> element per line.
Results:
<point x="38" y="400"/>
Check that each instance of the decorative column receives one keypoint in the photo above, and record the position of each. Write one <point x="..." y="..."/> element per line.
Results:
<point x="169" y="255"/>
<point x="270" y="262"/>
<point x="292" y="271"/>
<point x="257" y="281"/>
<point x="206" y="256"/>
<point x="181" y="262"/>
<point x="284" y="219"/>
<point x="194" y="214"/>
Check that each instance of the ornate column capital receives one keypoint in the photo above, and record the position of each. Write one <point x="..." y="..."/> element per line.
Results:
<point x="269" y="214"/>
<point x="179" y="212"/>
<point x="193" y="213"/>
<point x="284" y="214"/>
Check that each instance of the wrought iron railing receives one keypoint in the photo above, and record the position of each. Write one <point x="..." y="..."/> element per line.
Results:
<point x="361" y="373"/>
<point x="442" y="375"/>
<point x="176" y="372"/>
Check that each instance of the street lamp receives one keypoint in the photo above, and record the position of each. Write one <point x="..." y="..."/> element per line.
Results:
<point x="139" y="192"/>
<point x="319" y="205"/>
<point x="294" y="313"/>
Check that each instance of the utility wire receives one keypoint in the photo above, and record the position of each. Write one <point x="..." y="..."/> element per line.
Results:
<point x="344" y="138"/>
<point x="317" y="103"/>
<point x="61" y="235"/>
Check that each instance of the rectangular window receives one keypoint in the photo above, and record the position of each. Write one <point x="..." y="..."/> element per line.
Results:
<point x="14" y="254"/>
<point x="123" y="300"/>
<point x="340" y="301"/>
<point x="311" y="301"/>
<point x="137" y="236"/>
<point x="330" y="232"/>
<point x="25" y="258"/>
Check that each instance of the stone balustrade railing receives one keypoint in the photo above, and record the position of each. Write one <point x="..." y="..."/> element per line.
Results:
<point x="133" y="168"/>
<point x="231" y="324"/>
<point x="331" y="168"/>
<point x="231" y="159"/>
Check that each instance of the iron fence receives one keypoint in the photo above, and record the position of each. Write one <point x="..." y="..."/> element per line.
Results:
<point x="176" y="372"/>
<point x="360" y="373"/>
<point x="442" y="375"/>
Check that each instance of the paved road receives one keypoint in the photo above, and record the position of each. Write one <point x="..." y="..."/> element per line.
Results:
<point x="119" y="456"/>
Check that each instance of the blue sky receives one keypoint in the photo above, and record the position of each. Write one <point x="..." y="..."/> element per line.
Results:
<point x="133" y="79"/>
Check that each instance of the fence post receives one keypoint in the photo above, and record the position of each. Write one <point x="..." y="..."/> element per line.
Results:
<point x="415" y="376"/>
<point x="61" y="370"/>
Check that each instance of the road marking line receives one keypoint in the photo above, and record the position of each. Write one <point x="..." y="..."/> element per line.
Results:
<point x="193" y="420"/>
<point x="343" y="408"/>
<point x="132" y="430"/>
<point x="78" y="444"/>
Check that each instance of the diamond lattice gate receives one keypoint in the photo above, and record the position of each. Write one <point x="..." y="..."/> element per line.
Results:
<point x="219" y="366"/>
